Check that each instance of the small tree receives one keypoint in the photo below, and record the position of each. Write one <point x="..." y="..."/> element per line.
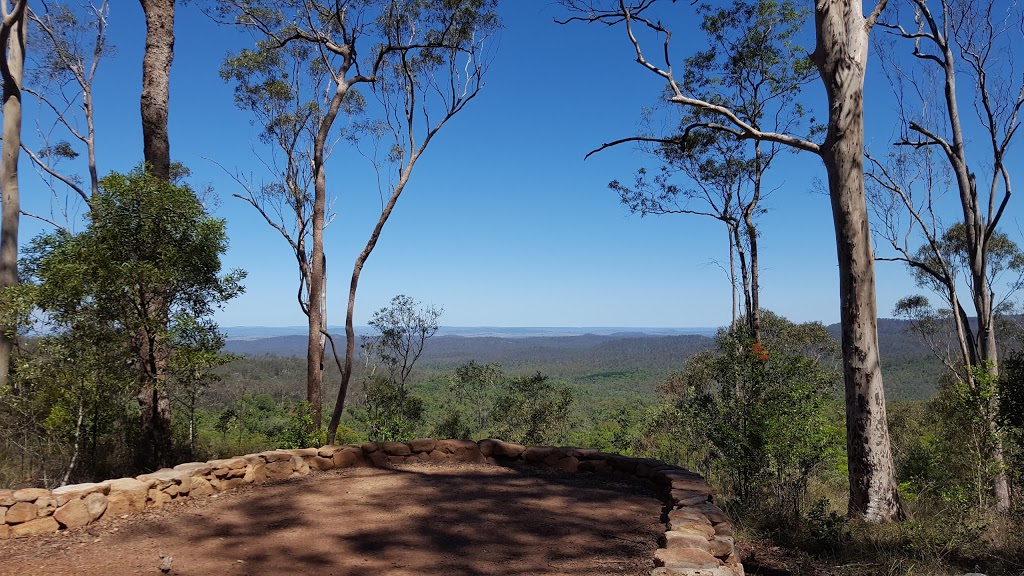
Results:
<point x="147" y="268"/>
<point x="761" y="407"/>
<point x="389" y="410"/>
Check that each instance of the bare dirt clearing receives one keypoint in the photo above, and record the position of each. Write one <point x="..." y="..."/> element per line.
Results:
<point x="413" y="520"/>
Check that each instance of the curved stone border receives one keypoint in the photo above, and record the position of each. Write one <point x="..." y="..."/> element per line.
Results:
<point x="698" y="540"/>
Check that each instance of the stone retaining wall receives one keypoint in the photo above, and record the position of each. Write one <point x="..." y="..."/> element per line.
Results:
<point x="698" y="539"/>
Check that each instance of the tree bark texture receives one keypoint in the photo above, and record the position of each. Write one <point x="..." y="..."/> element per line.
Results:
<point x="841" y="57"/>
<point x="155" y="449"/>
<point x="12" y="38"/>
<point x="156" y="79"/>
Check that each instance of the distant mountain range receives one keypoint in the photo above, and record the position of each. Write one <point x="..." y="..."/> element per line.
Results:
<point x="258" y="332"/>
<point x="911" y="372"/>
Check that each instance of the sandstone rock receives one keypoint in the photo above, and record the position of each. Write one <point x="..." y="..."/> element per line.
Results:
<point x="300" y="466"/>
<point x="329" y="451"/>
<point x="369" y="447"/>
<point x="30" y="494"/>
<point x="568" y="464"/>
<point x="396" y="448"/>
<point x="714" y="513"/>
<point x="349" y="457"/>
<point x="675" y="539"/>
<point x="304" y="452"/>
<point x="501" y="449"/>
<point x="690" y="514"/>
<point x="228" y="463"/>
<point x="457" y="446"/>
<point x="164" y="478"/>
<point x="685" y="558"/>
<point x="40" y="526"/>
<point x="201" y="487"/>
<point x="422" y="444"/>
<point x="46" y="505"/>
<point x="96" y="504"/>
<point x="276" y="470"/>
<point x="322" y="463"/>
<point x="623" y="464"/>
<point x="720" y="571"/>
<point x="692" y="484"/>
<point x="379" y="459"/>
<point x="723" y="529"/>
<point x="64" y="494"/>
<point x="688" y="497"/>
<point x="423" y="456"/>
<point x="7" y="498"/>
<point x="722" y="546"/>
<point x="438" y="456"/>
<point x="536" y="454"/>
<point x="127" y="496"/>
<point x="3" y="514"/>
<point x="193" y="469"/>
<point x="276" y="456"/>
<point x="227" y="484"/>
<point x="73" y="514"/>
<point x="5" y="531"/>
<point x="259" y="471"/>
<point x="22" y="512"/>
<point x="410" y="459"/>
<point x="157" y="498"/>
<point x="692" y="526"/>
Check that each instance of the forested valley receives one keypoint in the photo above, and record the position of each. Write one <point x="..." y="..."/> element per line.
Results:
<point x="872" y="446"/>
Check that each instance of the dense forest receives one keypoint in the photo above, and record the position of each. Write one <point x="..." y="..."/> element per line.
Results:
<point x="873" y="446"/>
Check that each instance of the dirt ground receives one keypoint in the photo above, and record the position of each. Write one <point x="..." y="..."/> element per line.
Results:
<point x="416" y="520"/>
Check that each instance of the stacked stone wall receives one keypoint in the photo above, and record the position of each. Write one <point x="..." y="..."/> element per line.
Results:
<point x="698" y="539"/>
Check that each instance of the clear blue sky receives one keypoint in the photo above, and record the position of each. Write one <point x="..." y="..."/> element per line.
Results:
<point x="504" y="223"/>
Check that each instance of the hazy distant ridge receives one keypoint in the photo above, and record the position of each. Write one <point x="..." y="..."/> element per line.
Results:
<point x="258" y="332"/>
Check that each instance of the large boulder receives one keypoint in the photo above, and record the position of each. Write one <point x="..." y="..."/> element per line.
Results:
<point x="22" y="512"/>
<point x="64" y="494"/>
<point x="73" y="514"/>
<point x="39" y="526"/>
<point x="126" y="496"/>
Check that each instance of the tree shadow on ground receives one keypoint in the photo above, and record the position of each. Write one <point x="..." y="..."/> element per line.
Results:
<point x="461" y="521"/>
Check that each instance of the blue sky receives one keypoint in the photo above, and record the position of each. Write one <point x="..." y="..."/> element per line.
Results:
<point x="504" y="223"/>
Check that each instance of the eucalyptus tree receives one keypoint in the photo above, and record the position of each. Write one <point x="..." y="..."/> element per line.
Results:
<point x="755" y="66"/>
<point x="144" y="274"/>
<point x="840" y="56"/>
<point x="422" y="60"/>
<point x="12" y="69"/>
<point x="74" y="41"/>
<point x="154" y="102"/>
<point x="285" y="88"/>
<point x="960" y="98"/>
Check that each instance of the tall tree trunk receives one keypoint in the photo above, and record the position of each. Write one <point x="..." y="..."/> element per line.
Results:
<point x="12" y="66"/>
<point x="314" y="344"/>
<point x="154" y="402"/>
<point x="156" y="80"/>
<point x="155" y="448"/>
<point x="318" y="264"/>
<point x="357" y="269"/>
<point x="751" y="232"/>
<point x="841" y="57"/>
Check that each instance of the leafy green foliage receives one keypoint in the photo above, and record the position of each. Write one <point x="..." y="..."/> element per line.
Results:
<point x="762" y="409"/>
<point x="125" y="303"/>
<point x="388" y="411"/>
